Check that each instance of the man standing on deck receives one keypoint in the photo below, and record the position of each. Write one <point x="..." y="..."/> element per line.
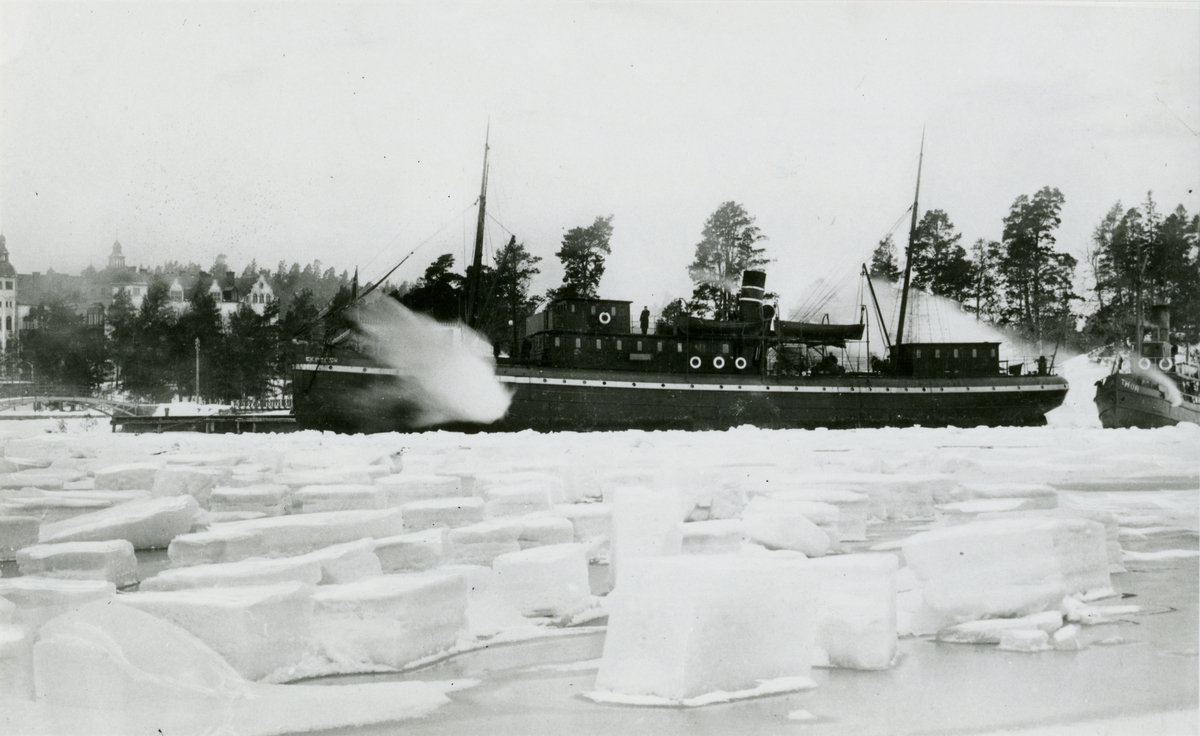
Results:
<point x="645" y="319"/>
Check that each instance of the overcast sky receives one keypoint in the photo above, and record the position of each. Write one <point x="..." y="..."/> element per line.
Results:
<point x="353" y="132"/>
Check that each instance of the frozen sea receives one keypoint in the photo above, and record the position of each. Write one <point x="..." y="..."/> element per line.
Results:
<point x="1136" y="671"/>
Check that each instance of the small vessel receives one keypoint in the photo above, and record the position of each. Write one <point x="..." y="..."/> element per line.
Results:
<point x="1154" y="386"/>
<point x="584" y="364"/>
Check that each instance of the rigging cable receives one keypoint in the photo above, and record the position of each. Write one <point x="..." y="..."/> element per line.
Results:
<point x="814" y="302"/>
<point x="325" y="311"/>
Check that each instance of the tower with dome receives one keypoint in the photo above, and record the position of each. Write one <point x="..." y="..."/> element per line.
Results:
<point x="8" y="298"/>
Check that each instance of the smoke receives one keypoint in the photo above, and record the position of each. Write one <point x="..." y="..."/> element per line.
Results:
<point x="1170" y="390"/>
<point x="732" y="283"/>
<point x="930" y="319"/>
<point x="447" y="373"/>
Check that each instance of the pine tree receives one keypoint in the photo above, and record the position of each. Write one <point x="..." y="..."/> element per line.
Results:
<point x="939" y="263"/>
<point x="883" y="261"/>
<point x="726" y="250"/>
<point x="439" y="292"/>
<point x="1037" y="279"/>
<point x="147" y="371"/>
<point x="514" y="271"/>
<point x="582" y="255"/>
<point x="1139" y="257"/>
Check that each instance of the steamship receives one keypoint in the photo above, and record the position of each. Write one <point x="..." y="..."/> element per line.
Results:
<point x="1153" y="387"/>
<point x="581" y="365"/>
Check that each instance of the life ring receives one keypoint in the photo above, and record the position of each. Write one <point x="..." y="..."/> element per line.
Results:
<point x="740" y="363"/>
<point x="1144" y="364"/>
<point x="605" y="318"/>
<point x="695" y="362"/>
<point x="1165" y="364"/>
<point x="718" y="362"/>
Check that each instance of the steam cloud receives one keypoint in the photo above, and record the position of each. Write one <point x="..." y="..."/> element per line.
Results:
<point x="447" y="374"/>
<point x="931" y="319"/>
<point x="1168" y="386"/>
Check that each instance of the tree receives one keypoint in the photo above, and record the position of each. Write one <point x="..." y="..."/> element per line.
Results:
<point x="1141" y="258"/>
<point x="513" y="273"/>
<point x="726" y="250"/>
<point x="939" y="263"/>
<point x="246" y="366"/>
<point x="883" y="261"/>
<point x="1036" y="278"/>
<point x="219" y="267"/>
<point x="299" y="324"/>
<point x="147" y="369"/>
<point x="676" y="312"/>
<point x="582" y="255"/>
<point x="300" y="321"/>
<point x="63" y="349"/>
<point x="982" y="295"/>
<point x="121" y="324"/>
<point x="439" y="292"/>
<point x="201" y="321"/>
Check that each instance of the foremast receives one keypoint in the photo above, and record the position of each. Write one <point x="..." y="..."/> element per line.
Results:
<point x="477" y="258"/>
<point x="908" y="253"/>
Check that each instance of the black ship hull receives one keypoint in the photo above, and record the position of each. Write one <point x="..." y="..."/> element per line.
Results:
<point x="1126" y="400"/>
<point x="351" y="398"/>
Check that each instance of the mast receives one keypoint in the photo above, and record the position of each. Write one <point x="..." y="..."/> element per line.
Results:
<point x="477" y="260"/>
<point x="908" y="253"/>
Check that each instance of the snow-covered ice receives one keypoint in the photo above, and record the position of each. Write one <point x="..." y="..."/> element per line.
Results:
<point x="404" y="487"/>
<point x="518" y="500"/>
<point x="16" y="665"/>
<point x="196" y="481"/>
<point x="346" y="497"/>
<point x="445" y="512"/>
<point x="390" y="620"/>
<point x="220" y="543"/>
<point x="294" y="534"/>
<point x="413" y="552"/>
<point x="1025" y="640"/>
<point x="646" y="523"/>
<point x="250" y="571"/>
<point x="541" y="529"/>
<point x="270" y="499"/>
<point x="989" y="631"/>
<point x="856" y="610"/>
<point x="112" y="560"/>
<point x="38" y="599"/>
<point x="783" y="523"/>
<point x="479" y="544"/>
<point x="149" y="523"/>
<point x="544" y="581"/>
<point x="17" y="532"/>
<point x="1008" y="567"/>
<point x="112" y="669"/>
<point x="716" y="537"/>
<point x="686" y="626"/>
<point x="127" y="477"/>
<point x="258" y="629"/>
<point x="1053" y="520"/>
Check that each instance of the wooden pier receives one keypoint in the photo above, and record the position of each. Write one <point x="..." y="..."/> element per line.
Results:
<point x="211" y="424"/>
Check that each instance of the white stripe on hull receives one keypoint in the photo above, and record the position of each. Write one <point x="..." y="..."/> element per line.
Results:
<point x="660" y="386"/>
<point x="356" y="369"/>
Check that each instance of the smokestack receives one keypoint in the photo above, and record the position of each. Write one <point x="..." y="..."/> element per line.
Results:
<point x="750" y="302"/>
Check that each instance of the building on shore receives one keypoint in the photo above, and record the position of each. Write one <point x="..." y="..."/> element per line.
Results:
<point x="92" y="292"/>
